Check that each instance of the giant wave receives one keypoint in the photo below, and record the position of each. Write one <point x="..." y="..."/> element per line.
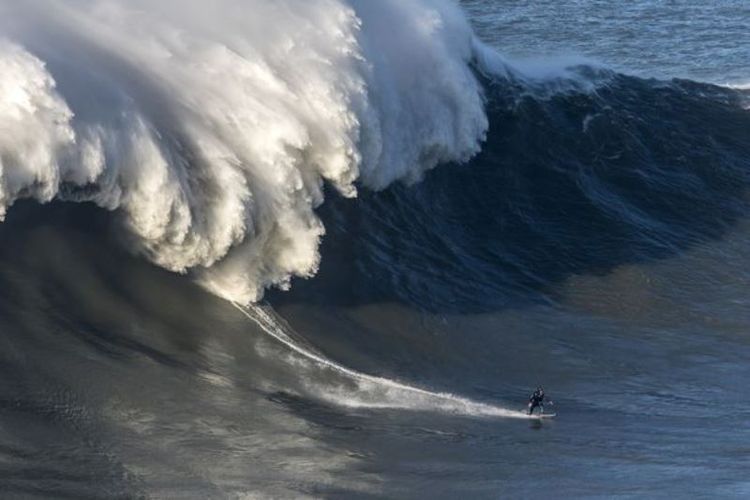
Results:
<point x="212" y="129"/>
<point x="215" y="135"/>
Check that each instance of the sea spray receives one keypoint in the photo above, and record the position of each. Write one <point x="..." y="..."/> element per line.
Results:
<point x="212" y="129"/>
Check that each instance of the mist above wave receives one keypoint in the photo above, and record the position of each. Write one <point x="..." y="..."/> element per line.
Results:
<point x="213" y="128"/>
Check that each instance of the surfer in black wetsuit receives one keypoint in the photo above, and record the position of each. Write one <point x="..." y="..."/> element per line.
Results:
<point x="537" y="399"/>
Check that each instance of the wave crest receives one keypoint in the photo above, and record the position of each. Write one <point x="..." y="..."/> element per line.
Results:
<point x="212" y="129"/>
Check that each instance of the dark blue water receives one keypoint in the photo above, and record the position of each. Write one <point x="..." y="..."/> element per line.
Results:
<point x="597" y="245"/>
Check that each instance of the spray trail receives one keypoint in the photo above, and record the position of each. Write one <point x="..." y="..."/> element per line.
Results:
<point x="372" y="391"/>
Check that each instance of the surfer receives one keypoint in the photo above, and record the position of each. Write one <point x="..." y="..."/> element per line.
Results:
<point x="537" y="399"/>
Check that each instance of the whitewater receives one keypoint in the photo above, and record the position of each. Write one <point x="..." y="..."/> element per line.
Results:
<point x="214" y="133"/>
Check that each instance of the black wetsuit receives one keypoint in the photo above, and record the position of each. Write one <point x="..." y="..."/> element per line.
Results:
<point x="536" y="399"/>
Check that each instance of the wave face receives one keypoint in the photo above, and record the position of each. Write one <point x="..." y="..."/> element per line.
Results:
<point x="580" y="174"/>
<point x="212" y="132"/>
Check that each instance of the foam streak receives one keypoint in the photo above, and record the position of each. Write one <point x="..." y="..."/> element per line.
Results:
<point x="372" y="391"/>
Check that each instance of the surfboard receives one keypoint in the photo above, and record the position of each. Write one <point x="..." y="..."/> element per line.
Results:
<point x="540" y="416"/>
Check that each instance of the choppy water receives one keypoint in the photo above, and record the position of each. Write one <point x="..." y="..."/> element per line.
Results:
<point x="705" y="41"/>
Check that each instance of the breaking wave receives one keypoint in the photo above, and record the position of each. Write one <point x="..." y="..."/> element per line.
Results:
<point x="215" y="133"/>
<point x="212" y="129"/>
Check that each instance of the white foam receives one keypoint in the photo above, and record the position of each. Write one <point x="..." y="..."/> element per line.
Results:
<point x="737" y="85"/>
<point x="213" y="126"/>
<point x="34" y="128"/>
<point x="543" y="76"/>
<point x="371" y="391"/>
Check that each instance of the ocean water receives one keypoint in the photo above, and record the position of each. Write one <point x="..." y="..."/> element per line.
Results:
<point x="702" y="41"/>
<point x="326" y="249"/>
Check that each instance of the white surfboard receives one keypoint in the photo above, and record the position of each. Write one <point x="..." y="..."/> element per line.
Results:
<point x="539" y="416"/>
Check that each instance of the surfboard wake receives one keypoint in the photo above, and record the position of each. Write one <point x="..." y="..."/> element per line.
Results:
<point x="369" y="391"/>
